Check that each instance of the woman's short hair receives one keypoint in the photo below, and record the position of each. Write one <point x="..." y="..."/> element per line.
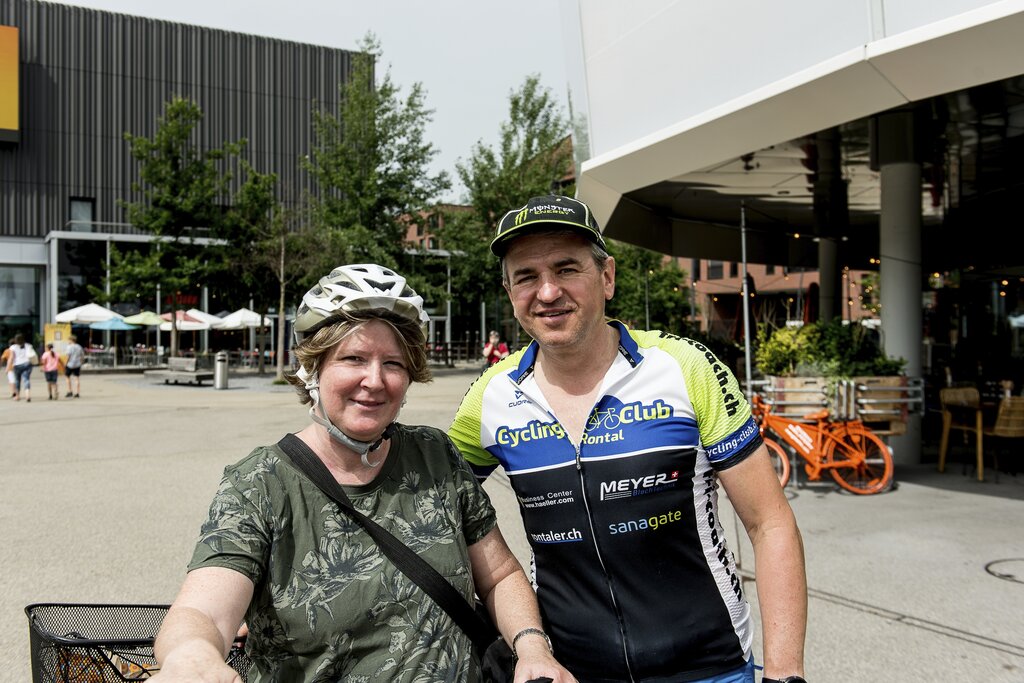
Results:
<point x="315" y="348"/>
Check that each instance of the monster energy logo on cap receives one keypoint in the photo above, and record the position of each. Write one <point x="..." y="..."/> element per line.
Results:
<point x="540" y="214"/>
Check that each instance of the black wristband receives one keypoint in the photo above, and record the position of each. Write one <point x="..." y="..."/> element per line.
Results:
<point x="787" y="679"/>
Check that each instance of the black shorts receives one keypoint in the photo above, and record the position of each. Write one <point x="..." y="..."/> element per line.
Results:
<point x="75" y="372"/>
<point x="51" y="376"/>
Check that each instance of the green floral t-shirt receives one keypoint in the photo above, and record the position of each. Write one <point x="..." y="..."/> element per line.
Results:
<point x="328" y="605"/>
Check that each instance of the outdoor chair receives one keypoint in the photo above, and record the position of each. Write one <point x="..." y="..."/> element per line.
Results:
<point x="1009" y="424"/>
<point x="961" y="410"/>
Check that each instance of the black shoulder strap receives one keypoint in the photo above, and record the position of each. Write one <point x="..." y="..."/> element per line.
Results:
<point x="412" y="565"/>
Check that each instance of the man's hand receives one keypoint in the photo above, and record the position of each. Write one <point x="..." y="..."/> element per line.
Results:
<point x="538" y="664"/>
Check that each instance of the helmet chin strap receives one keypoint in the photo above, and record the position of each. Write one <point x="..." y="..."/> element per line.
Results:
<point x="363" y="448"/>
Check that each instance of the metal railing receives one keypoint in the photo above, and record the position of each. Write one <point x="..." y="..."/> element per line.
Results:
<point x="847" y="399"/>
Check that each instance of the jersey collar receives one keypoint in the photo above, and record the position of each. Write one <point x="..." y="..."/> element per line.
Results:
<point x="628" y="348"/>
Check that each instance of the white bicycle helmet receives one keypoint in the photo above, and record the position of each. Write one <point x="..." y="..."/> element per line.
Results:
<point x="352" y="288"/>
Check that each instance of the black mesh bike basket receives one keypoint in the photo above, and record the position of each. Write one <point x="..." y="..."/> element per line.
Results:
<point x="86" y="643"/>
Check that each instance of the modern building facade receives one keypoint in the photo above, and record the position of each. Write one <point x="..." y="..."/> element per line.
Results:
<point x="863" y="135"/>
<point x="73" y="81"/>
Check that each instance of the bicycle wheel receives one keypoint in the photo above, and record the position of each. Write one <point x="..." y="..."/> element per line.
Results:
<point x="779" y="458"/>
<point x="864" y="461"/>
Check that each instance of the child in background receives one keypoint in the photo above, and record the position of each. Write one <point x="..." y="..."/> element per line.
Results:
<point x="51" y="365"/>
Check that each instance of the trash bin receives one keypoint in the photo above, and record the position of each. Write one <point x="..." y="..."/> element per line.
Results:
<point x="220" y="370"/>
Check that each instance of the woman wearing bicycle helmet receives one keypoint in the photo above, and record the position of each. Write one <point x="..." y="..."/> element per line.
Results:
<point x="319" y="598"/>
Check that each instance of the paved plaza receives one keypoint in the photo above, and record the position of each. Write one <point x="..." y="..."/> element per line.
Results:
<point x="103" y="497"/>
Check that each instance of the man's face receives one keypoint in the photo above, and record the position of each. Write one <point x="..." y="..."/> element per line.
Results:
<point x="557" y="291"/>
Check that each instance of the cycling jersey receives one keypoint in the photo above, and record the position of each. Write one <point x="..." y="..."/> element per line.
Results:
<point x="633" y="576"/>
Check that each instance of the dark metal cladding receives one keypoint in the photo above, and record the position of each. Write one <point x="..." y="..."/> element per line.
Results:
<point x="87" y="77"/>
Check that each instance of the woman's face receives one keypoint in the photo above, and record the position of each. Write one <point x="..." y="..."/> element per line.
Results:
<point x="363" y="381"/>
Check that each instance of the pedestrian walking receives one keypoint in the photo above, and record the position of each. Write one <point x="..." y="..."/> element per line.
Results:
<point x="50" y="361"/>
<point x="73" y="367"/>
<point x="20" y="362"/>
<point x="4" y="357"/>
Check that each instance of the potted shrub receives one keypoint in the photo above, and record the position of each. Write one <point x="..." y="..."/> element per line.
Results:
<point x="820" y="365"/>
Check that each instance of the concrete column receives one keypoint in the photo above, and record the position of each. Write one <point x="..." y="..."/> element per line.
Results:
<point x="828" y="278"/>
<point x="831" y="217"/>
<point x="900" y="282"/>
<point x="895" y="154"/>
<point x="52" y="279"/>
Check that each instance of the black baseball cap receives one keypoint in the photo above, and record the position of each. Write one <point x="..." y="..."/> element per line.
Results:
<point x="541" y="214"/>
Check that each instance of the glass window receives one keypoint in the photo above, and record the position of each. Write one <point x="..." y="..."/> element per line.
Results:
<point x="83" y="212"/>
<point x="715" y="270"/>
<point x="769" y="269"/>
<point x="20" y="288"/>
<point x="79" y="262"/>
<point x="734" y="269"/>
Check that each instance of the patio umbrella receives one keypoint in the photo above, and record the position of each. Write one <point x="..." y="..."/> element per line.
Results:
<point x="144" y="318"/>
<point x="83" y="315"/>
<point x="243" y="319"/>
<point x="113" y="324"/>
<point x="186" y="323"/>
<point x="147" y="319"/>
<point x="208" y="318"/>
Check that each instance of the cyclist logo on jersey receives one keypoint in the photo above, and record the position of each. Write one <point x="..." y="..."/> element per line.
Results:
<point x="613" y="417"/>
<point x="607" y="419"/>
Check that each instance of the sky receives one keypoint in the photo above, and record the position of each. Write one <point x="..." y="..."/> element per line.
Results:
<point x="468" y="54"/>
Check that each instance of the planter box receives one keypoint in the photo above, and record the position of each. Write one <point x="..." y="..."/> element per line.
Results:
<point x="880" y="403"/>
<point x="877" y="401"/>
<point x="795" y="397"/>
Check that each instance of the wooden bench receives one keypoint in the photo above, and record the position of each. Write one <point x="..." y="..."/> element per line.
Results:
<point x="181" y="369"/>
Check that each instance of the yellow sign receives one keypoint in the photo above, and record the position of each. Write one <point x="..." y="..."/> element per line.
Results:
<point x="58" y="334"/>
<point x="9" y="104"/>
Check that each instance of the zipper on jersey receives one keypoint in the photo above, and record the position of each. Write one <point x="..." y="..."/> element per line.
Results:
<point x="604" y="570"/>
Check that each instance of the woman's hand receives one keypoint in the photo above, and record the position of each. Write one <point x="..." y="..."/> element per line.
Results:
<point x="196" y="661"/>
<point x="198" y="630"/>
<point x="502" y="585"/>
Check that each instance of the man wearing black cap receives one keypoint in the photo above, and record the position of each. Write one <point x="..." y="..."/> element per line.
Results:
<point x="615" y="441"/>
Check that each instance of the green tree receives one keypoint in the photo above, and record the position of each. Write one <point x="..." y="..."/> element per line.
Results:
<point x="370" y="162"/>
<point x="183" y="189"/>
<point x="649" y="291"/>
<point x="241" y="274"/>
<point x="533" y="157"/>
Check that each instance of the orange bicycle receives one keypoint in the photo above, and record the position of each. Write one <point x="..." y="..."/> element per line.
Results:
<point x="856" y="457"/>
